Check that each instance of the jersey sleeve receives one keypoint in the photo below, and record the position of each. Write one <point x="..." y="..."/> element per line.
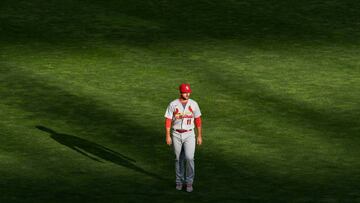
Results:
<point x="197" y="112"/>
<point x="169" y="112"/>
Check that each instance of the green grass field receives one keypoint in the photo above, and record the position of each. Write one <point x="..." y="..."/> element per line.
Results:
<point x="84" y="86"/>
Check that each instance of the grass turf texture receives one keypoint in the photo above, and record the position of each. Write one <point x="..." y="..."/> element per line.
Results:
<point x="84" y="86"/>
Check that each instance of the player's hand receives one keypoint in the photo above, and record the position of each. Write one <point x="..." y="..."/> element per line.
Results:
<point x="199" y="140"/>
<point x="168" y="140"/>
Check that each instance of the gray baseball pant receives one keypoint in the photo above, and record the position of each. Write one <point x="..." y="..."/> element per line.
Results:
<point x="184" y="148"/>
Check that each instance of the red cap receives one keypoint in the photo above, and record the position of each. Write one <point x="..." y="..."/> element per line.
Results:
<point x="185" y="88"/>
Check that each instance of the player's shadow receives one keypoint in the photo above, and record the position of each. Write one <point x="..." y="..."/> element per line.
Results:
<point x="95" y="151"/>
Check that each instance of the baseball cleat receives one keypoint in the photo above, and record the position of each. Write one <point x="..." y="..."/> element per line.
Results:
<point x="179" y="186"/>
<point x="189" y="188"/>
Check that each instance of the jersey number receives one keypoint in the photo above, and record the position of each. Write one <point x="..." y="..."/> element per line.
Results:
<point x="189" y="121"/>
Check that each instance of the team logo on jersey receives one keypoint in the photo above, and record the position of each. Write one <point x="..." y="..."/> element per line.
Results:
<point x="177" y="114"/>
<point x="190" y="109"/>
<point x="186" y="114"/>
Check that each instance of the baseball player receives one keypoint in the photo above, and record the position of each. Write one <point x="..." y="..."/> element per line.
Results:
<point x="182" y="115"/>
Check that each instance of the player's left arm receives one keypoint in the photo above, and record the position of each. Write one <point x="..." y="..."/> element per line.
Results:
<point x="199" y="130"/>
<point x="198" y="124"/>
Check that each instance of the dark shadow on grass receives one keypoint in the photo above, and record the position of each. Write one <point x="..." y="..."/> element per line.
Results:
<point x="91" y="20"/>
<point x="94" y="151"/>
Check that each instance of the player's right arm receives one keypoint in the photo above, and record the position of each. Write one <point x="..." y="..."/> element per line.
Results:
<point x="167" y="129"/>
<point x="168" y="119"/>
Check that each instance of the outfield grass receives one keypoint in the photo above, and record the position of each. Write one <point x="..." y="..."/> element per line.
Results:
<point x="84" y="86"/>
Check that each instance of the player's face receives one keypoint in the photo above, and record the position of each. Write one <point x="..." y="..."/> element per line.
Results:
<point x="185" y="96"/>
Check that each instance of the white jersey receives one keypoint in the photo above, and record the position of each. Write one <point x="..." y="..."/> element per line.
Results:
<point x="183" y="118"/>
